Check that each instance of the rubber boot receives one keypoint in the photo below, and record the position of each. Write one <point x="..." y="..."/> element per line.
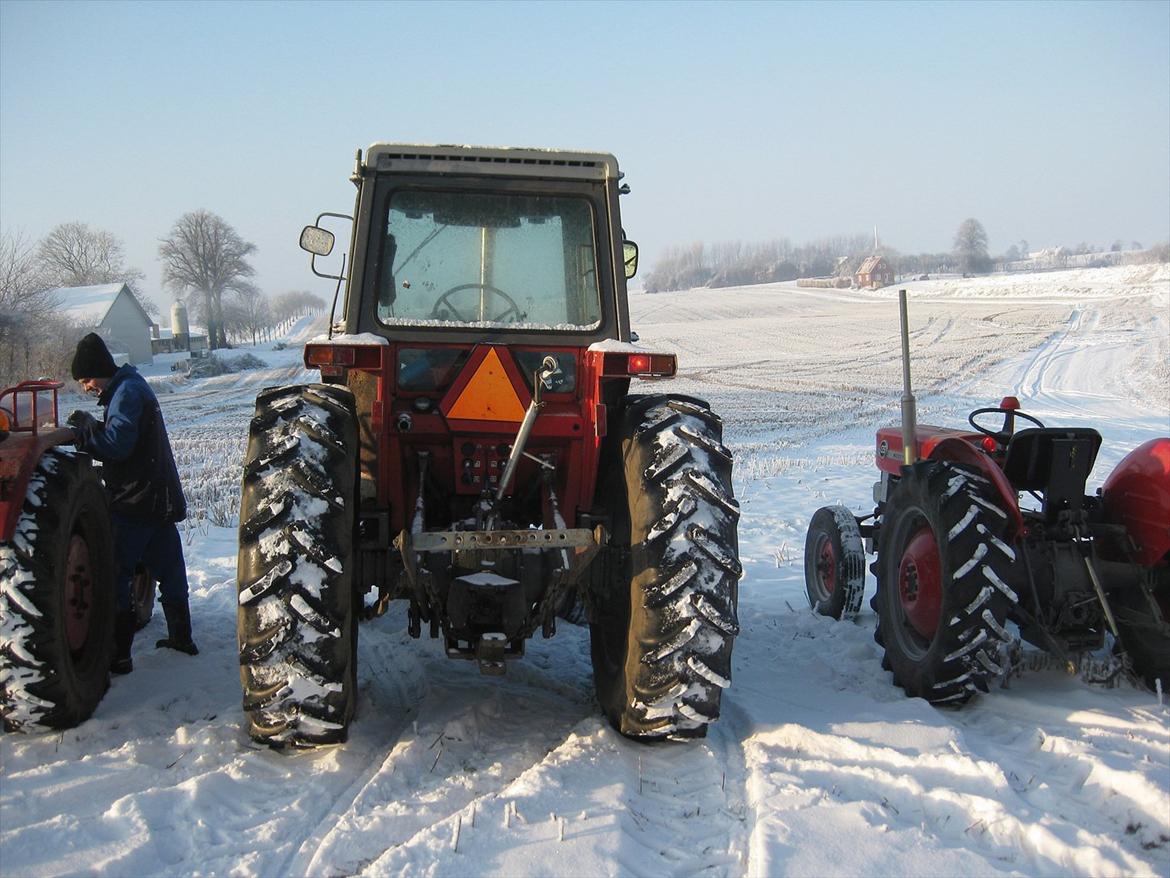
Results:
<point x="178" y="629"/>
<point x="124" y="625"/>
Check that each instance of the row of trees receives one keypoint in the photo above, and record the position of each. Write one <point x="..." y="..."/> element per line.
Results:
<point x="205" y="264"/>
<point x="738" y="264"/>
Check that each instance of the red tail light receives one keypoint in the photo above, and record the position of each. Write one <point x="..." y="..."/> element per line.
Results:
<point x="640" y="365"/>
<point x="357" y="356"/>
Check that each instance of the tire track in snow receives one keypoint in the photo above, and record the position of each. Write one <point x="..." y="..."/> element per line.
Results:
<point x="596" y="804"/>
<point x="1062" y="762"/>
<point x="690" y="810"/>
<point x="386" y="719"/>
<point x="470" y="739"/>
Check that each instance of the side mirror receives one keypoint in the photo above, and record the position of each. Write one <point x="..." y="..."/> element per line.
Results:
<point x="317" y="240"/>
<point x="629" y="256"/>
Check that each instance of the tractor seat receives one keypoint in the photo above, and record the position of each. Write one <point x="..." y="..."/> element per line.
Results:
<point x="1051" y="459"/>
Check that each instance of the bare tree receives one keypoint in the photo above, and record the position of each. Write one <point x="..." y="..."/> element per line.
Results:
<point x="30" y="333"/>
<point x="247" y="315"/>
<point x="971" y="247"/>
<point x="74" y="255"/>
<point x="206" y="256"/>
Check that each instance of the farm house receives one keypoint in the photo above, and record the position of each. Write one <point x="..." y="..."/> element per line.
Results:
<point x="112" y="312"/>
<point x="875" y="272"/>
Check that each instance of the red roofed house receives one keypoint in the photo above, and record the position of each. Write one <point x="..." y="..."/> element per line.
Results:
<point x="875" y="272"/>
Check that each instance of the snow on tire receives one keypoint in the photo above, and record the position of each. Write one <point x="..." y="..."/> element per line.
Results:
<point x="834" y="563"/>
<point x="943" y="571"/>
<point x="664" y="611"/>
<point x="296" y="622"/>
<point x="57" y="599"/>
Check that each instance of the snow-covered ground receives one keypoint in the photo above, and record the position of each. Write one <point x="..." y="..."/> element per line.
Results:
<point x="818" y="765"/>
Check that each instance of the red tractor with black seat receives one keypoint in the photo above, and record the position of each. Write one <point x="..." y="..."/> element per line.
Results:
<point x="960" y="556"/>
<point x="473" y="451"/>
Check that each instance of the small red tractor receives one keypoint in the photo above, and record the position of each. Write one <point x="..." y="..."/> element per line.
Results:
<point x="959" y="556"/>
<point x="56" y="569"/>
<point x="473" y="450"/>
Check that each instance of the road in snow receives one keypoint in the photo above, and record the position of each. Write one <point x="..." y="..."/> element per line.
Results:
<point x="818" y="766"/>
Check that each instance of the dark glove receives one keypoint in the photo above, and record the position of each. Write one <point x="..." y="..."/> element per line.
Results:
<point x="84" y="425"/>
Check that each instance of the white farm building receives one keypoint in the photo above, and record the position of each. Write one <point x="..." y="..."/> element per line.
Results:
<point x="112" y="312"/>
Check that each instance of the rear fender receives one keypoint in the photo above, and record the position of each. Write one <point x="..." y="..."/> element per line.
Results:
<point x="19" y="455"/>
<point x="961" y="451"/>
<point x="1137" y="495"/>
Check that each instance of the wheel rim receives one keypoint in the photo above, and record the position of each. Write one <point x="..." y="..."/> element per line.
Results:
<point x="826" y="566"/>
<point x="78" y="593"/>
<point x="920" y="583"/>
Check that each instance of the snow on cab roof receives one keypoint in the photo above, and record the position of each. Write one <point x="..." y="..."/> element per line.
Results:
<point x="87" y="305"/>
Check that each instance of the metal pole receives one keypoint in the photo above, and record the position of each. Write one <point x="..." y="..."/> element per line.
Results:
<point x="909" y="415"/>
<point x="547" y="369"/>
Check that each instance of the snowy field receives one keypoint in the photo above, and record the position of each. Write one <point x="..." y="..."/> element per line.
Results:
<point x="818" y="765"/>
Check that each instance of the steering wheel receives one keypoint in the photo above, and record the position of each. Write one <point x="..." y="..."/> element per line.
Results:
<point x="453" y="312"/>
<point x="1005" y="432"/>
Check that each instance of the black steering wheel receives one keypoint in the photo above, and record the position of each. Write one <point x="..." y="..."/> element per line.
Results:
<point x="1003" y="434"/>
<point x="445" y="309"/>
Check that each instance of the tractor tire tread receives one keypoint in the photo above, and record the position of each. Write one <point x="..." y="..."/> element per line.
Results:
<point x="296" y="618"/>
<point x="962" y="656"/>
<point x="671" y="618"/>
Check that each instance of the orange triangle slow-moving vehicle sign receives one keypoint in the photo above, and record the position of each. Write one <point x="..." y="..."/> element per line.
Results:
<point x="489" y="394"/>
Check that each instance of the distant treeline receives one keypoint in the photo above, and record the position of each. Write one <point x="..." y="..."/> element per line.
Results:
<point x="740" y="264"/>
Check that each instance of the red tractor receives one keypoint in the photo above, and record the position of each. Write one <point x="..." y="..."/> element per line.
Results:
<point x="56" y="568"/>
<point x="959" y="556"/>
<point x="473" y="451"/>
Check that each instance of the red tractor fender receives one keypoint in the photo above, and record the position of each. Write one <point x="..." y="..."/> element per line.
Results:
<point x="19" y="454"/>
<point x="961" y="451"/>
<point x="942" y="443"/>
<point x="1137" y="495"/>
<point x="22" y="443"/>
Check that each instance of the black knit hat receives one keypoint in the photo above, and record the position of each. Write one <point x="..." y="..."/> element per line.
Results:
<point x="93" y="359"/>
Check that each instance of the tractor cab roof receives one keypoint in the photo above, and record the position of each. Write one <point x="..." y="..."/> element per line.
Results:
<point x="413" y="158"/>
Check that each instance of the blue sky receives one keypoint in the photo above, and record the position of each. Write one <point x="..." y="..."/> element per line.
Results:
<point x="733" y="121"/>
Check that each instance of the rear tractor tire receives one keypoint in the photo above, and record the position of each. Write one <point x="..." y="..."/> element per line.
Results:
<point x="1145" y="636"/>
<point x="943" y="568"/>
<point x="834" y="563"/>
<point x="296" y="622"/>
<point x="57" y="599"/>
<point x="663" y="618"/>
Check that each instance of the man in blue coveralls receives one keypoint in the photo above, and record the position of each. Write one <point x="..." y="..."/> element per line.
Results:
<point x="142" y="484"/>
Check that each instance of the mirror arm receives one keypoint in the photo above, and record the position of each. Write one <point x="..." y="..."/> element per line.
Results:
<point x="336" y="293"/>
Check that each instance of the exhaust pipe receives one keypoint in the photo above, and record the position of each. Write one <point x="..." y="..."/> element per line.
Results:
<point x="909" y="414"/>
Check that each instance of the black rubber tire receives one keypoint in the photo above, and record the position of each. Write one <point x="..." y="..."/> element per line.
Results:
<point x="296" y="619"/>
<point x="834" y="563"/>
<point x="1145" y="637"/>
<point x="663" y="610"/>
<point x="969" y="526"/>
<point x="43" y="682"/>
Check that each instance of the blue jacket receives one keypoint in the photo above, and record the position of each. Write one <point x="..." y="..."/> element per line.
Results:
<point x="138" y="467"/>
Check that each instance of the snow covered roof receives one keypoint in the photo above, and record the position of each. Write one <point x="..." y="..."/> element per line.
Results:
<point x="89" y="305"/>
<point x="871" y="264"/>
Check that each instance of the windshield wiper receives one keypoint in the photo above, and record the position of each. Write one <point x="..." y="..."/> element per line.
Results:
<point x="422" y="244"/>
